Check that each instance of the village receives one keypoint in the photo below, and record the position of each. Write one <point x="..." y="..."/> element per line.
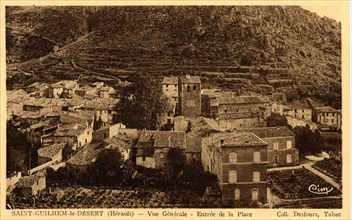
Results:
<point x="246" y="148"/>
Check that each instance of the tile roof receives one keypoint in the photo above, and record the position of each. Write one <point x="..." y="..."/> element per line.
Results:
<point x="120" y="141"/>
<point x="268" y="132"/>
<point x="70" y="130"/>
<point x="242" y="100"/>
<point x="327" y="109"/>
<point x="163" y="139"/>
<point x="203" y="126"/>
<point x="298" y="105"/>
<point x="236" y="115"/>
<point x="170" y="80"/>
<point x="169" y="139"/>
<point x="86" y="155"/>
<point x="234" y="139"/>
<point x="67" y="84"/>
<point x="101" y="104"/>
<point x="74" y="119"/>
<point x="190" y="79"/>
<point x="50" y="151"/>
<point x="42" y="124"/>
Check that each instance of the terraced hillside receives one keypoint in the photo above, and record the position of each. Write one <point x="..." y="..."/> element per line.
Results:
<point x="285" y="48"/>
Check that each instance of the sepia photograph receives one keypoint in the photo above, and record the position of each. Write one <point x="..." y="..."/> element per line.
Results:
<point x="184" y="107"/>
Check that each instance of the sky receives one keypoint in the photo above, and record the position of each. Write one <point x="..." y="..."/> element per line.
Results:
<point x="328" y="9"/>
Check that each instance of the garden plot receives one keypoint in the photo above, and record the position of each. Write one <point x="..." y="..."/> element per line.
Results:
<point x="304" y="184"/>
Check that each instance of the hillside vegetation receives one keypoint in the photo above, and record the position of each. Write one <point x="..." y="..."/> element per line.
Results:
<point x="258" y="48"/>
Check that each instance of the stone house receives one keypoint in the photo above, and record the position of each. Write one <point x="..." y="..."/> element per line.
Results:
<point x="121" y="142"/>
<point x="29" y="186"/>
<point x="74" y="135"/>
<point x="103" y="108"/>
<point x="107" y="132"/>
<point x="239" y="160"/>
<point x="170" y="90"/>
<point x="193" y="148"/>
<point x="299" y="110"/>
<point x="153" y="146"/>
<point x="79" y="163"/>
<point x="281" y="142"/>
<point x="50" y="153"/>
<point x="64" y="88"/>
<point x="328" y="116"/>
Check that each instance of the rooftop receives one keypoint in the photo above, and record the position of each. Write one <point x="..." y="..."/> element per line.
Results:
<point x="120" y="141"/>
<point x="170" y="80"/>
<point x="234" y="139"/>
<point x="268" y="132"/>
<point x="298" y="105"/>
<point x="327" y="109"/>
<point x="86" y="155"/>
<point x="101" y="104"/>
<point x="162" y="139"/>
<point x="50" y="151"/>
<point x="70" y="130"/>
<point x="67" y="84"/>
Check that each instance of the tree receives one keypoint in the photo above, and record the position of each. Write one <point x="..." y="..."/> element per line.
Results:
<point x="176" y="163"/>
<point x="142" y="102"/>
<point x="308" y="141"/>
<point x="107" y="168"/>
<point x="275" y="120"/>
<point x="18" y="149"/>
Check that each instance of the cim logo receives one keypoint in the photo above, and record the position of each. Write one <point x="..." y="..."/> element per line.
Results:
<point x="319" y="190"/>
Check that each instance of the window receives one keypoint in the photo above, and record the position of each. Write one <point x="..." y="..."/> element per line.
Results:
<point x="162" y="155"/>
<point x="232" y="176"/>
<point x="333" y="114"/>
<point x="188" y="89"/>
<point x="275" y="159"/>
<point x="289" y="144"/>
<point x="237" y="194"/>
<point x="166" y="86"/>
<point x="332" y="120"/>
<point x="256" y="176"/>
<point x="169" y="114"/>
<point x="175" y="85"/>
<point x="295" y="110"/>
<point x="256" y="157"/>
<point x="255" y="194"/>
<point x="276" y="146"/>
<point x="289" y="158"/>
<point x="232" y="158"/>
<point x="302" y="110"/>
<point x="143" y="158"/>
<point x="225" y="111"/>
<point x="194" y="87"/>
<point x="86" y="140"/>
